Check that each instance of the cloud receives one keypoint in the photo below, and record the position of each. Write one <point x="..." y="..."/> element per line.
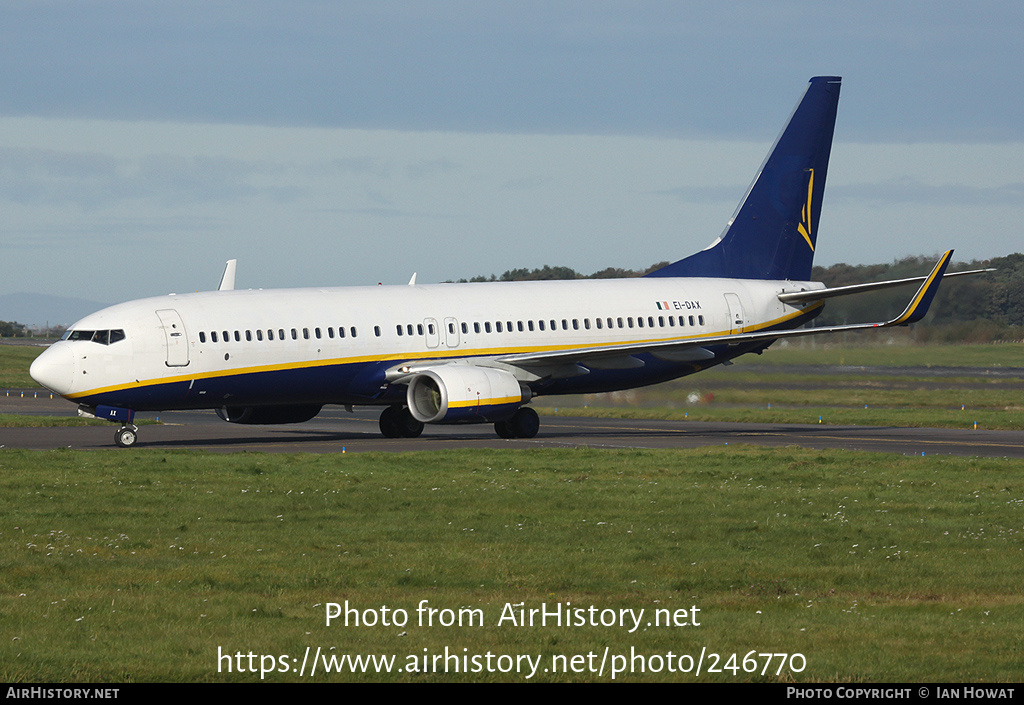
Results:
<point x="88" y="180"/>
<point x="907" y="190"/>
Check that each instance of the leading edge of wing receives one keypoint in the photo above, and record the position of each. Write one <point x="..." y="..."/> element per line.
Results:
<point x="915" y="311"/>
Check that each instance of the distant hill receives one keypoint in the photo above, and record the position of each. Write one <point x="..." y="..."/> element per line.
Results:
<point x="38" y="310"/>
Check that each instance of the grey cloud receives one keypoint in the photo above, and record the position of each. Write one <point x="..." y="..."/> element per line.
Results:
<point x="908" y="190"/>
<point x="92" y="181"/>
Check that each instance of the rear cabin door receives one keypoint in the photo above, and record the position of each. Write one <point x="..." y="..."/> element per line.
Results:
<point x="174" y="335"/>
<point x="735" y="313"/>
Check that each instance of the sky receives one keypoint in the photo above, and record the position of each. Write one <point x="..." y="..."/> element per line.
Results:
<point x="144" y="143"/>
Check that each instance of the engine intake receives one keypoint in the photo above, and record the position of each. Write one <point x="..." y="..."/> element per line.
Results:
<point x="464" y="394"/>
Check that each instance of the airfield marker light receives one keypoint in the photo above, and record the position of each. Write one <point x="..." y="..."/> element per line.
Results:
<point x="819" y="419"/>
<point x="975" y="425"/>
<point x="343" y="449"/>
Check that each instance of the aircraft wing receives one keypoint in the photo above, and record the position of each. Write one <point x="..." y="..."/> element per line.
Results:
<point x="818" y="294"/>
<point x="695" y="348"/>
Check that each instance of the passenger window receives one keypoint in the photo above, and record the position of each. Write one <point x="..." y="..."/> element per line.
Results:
<point x="398" y="328"/>
<point x="376" y="331"/>
<point x="259" y="334"/>
<point x="213" y="336"/>
<point x="248" y="336"/>
<point x="497" y="326"/>
<point x="305" y="334"/>
<point x="280" y="333"/>
<point x="270" y="334"/>
<point x="202" y="337"/>
<point x="352" y="330"/>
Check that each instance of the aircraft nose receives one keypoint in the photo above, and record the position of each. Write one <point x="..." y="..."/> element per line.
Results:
<point x="54" y="369"/>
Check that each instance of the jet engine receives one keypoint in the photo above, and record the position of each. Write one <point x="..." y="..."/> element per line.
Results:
<point x="464" y="394"/>
<point x="294" y="413"/>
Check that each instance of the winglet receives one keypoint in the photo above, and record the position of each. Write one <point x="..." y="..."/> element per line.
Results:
<point x="227" y="279"/>
<point x="918" y="306"/>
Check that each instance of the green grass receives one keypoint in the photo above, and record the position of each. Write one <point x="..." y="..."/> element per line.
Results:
<point x="827" y="350"/>
<point x="25" y="420"/>
<point x="907" y="418"/>
<point x="137" y="566"/>
<point x="14" y="363"/>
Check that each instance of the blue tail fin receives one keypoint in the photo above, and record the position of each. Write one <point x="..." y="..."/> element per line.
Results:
<point x="773" y="233"/>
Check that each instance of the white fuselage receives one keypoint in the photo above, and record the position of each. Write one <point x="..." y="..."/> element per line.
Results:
<point x="332" y="345"/>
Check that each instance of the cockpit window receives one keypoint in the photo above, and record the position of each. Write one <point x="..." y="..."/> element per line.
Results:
<point x="103" y="337"/>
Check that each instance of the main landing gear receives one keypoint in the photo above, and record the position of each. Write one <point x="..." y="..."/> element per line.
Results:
<point x="126" y="435"/>
<point x="397" y="422"/>
<point x="523" y="424"/>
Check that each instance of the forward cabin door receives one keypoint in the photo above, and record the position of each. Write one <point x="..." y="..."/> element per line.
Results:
<point x="174" y="335"/>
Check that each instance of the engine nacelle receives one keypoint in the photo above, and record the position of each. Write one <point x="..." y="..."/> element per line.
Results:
<point x="464" y="394"/>
<point x="296" y="413"/>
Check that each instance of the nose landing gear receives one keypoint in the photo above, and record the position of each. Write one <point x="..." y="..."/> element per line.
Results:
<point x="126" y="435"/>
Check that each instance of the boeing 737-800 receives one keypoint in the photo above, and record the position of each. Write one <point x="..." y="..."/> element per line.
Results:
<point x="474" y="353"/>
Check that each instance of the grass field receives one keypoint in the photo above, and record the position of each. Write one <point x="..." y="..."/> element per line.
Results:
<point x="139" y="566"/>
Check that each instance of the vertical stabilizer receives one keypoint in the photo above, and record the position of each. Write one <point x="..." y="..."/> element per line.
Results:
<point x="774" y="231"/>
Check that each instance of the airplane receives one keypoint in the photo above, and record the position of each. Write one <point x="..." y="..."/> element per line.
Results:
<point x="477" y="352"/>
